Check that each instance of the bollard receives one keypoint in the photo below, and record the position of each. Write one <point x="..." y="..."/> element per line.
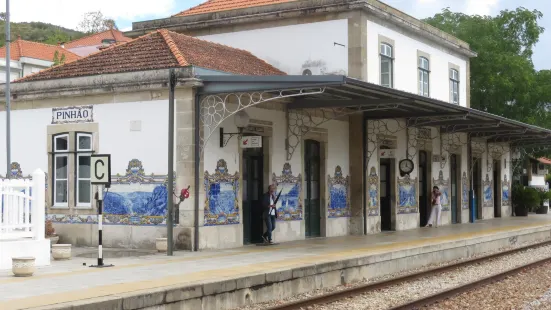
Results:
<point x="99" y="199"/>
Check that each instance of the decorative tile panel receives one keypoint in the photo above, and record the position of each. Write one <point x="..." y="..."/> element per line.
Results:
<point x="339" y="195"/>
<point x="289" y="207"/>
<point x="407" y="195"/>
<point x="373" y="193"/>
<point x="444" y="186"/>
<point x="464" y="191"/>
<point x="487" y="200"/>
<point x="222" y="192"/>
<point x="505" y="192"/>
<point x="72" y="219"/>
<point x="136" y="198"/>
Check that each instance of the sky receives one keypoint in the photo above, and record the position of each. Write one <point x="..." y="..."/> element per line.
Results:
<point x="68" y="14"/>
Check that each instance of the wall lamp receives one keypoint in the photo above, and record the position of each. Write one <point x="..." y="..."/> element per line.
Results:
<point x="241" y="120"/>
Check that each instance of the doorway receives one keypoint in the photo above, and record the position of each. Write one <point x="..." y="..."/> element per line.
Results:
<point x="477" y="179"/>
<point x="497" y="191"/>
<point x="312" y="164"/>
<point x="424" y="207"/>
<point x="253" y="185"/>
<point x="386" y="195"/>
<point x="453" y="187"/>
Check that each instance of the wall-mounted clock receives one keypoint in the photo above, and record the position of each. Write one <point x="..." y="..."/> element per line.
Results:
<point x="406" y="166"/>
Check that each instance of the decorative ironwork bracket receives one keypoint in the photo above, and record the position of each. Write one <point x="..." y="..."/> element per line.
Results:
<point x="376" y="128"/>
<point x="225" y="137"/>
<point x="301" y="121"/>
<point x="215" y="109"/>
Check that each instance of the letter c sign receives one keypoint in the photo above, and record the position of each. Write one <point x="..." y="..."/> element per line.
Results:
<point x="100" y="169"/>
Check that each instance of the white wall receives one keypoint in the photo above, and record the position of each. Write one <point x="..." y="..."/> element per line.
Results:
<point x="289" y="47"/>
<point x="150" y="145"/>
<point x="405" y="64"/>
<point x="29" y="137"/>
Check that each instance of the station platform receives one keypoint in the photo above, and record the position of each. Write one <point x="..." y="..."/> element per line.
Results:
<point x="226" y="279"/>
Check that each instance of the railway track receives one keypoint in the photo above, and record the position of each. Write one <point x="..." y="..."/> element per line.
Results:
<point x="355" y="291"/>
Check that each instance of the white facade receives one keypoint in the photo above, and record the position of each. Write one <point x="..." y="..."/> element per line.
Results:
<point x="321" y="48"/>
<point x="318" y="47"/>
<point x="406" y="53"/>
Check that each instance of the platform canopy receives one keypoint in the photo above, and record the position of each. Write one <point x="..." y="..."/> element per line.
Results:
<point x="378" y="102"/>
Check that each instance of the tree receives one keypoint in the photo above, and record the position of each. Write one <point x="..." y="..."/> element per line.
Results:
<point x="58" y="60"/>
<point x="94" y="22"/>
<point x="503" y="78"/>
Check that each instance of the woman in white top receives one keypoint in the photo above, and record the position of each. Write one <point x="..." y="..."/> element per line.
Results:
<point x="436" y="210"/>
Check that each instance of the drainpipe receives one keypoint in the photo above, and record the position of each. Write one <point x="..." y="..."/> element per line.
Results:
<point x="197" y="161"/>
<point x="7" y="91"/>
<point x="169" y="218"/>
<point x="365" y="163"/>
<point x="471" y="180"/>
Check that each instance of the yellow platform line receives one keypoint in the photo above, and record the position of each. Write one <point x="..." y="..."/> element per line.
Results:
<point x="218" y="274"/>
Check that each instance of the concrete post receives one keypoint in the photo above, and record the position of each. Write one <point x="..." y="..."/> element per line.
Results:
<point x="356" y="160"/>
<point x="185" y="163"/>
<point x="39" y="204"/>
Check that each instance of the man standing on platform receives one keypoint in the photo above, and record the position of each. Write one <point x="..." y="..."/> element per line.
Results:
<point x="269" y="212"/>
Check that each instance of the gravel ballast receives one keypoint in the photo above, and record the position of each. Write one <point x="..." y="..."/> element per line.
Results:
<point x="528" y="290"/>
<point x="398" y="294"/>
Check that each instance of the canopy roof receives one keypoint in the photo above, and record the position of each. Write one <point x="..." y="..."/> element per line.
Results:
<point x="345" y="92"/>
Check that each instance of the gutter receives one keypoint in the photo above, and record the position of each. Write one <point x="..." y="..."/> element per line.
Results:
<point x="99" y="84"/>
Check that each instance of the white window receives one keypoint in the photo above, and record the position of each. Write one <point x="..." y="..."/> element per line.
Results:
<point x="454" y="86"/>
<point x="387" y="76"/>
<point x="61" y="170"/>
<point x="83" y="160"/>
<point x="424" y="76"/>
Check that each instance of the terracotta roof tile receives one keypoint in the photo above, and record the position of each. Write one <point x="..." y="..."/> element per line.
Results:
<point x="212" y="6"/>
<point x="544" y="160"/>
<point x="21" y="48"/>
<point x="160" y="49"/>
<point x="96" y="39"/>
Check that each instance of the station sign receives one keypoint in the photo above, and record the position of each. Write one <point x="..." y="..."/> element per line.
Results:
<point x="248" y="142"/>
<point x="68" y="115"/>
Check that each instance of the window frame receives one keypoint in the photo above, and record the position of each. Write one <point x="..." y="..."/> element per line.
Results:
<point x="390" y="58"/>
<point x="422" y="71"/>
<point x="454" y="81"/>
<point x="55" y="155"/>
<point x="82" y="153"/>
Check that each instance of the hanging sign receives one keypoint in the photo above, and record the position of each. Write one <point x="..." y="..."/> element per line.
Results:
<point x="388" y="153"/>
<point x="66" y="115"/>
<point x="248" y="142"/>
<point x="438" y="158"/>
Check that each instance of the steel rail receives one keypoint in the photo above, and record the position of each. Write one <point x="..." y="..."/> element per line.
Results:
<point x="354" y="291"/>
<point x="434" y="298"/>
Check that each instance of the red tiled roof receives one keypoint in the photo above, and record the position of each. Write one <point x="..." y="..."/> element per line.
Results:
<point x="95" y="39"/>
<point x="212" y="6"/>
<point x="21" y="48"/>
<point x="161" y="49"/>
<point x="544" y="160"/>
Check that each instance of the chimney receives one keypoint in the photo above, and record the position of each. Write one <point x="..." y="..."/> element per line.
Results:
<point x="61" y="44"/>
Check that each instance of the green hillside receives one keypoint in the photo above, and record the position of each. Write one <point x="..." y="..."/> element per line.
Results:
<point x="39" y="32"/>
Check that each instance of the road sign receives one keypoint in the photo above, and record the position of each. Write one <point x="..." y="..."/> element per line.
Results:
<point x="100" y="169"/>
<point x="248" y="142"/>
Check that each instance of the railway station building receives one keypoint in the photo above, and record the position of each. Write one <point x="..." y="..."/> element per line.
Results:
<point x="354" y="109"/>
